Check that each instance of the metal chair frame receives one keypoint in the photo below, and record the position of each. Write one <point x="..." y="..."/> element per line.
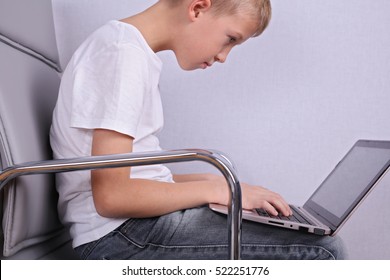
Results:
<point x="215" y="158"/>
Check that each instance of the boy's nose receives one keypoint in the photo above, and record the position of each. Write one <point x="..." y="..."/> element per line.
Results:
<point x="222" y="55"/>
<point x="220" y="58"/>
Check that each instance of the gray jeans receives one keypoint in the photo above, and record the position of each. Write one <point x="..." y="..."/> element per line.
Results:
<point x="200" y="233"/>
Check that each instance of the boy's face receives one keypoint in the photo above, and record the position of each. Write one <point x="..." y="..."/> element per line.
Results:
<point x="210" y="38"/>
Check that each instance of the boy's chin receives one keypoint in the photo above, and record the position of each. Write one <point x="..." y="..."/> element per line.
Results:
<point x="188" y="67"/>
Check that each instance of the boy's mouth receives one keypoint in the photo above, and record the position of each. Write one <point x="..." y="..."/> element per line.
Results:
<point x="205" y="65"/>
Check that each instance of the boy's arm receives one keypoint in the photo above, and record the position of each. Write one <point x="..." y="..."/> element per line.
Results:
<point x="181" y="178"/>
<point x="117" y="195"/>
<point x="250" y="194"/>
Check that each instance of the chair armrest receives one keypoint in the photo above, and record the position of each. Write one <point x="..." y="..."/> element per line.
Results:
<point x="215" y="158"/>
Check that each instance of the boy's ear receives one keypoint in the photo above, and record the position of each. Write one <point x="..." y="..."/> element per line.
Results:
<point x="198" y="7"/>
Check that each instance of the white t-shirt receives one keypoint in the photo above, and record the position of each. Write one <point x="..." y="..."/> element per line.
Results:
<point x="111" y="82"/>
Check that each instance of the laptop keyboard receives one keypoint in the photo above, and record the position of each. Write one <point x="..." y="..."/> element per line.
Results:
<point x="295" y="217"/>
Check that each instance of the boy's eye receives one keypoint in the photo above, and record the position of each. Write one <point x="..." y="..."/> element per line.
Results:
<point x="232" y="39"/>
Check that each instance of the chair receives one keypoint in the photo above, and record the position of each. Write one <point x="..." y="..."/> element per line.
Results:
<point x="30" y="71"/>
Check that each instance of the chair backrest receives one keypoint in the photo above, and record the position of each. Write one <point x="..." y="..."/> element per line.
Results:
<point x="37" y="39"/>
<point x="29" y="81"/>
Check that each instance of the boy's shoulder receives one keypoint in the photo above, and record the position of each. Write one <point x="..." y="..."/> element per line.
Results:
<point x="116" y="32"/>
<point x="111" y="38"/>
<point x="114" y="44"/>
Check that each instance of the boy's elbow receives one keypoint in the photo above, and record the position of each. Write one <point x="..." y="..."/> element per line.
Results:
<point x="112" y="203"/>
<point x="105" y="194"/>
<point x="105" y="206"/>
<point x="107" y="202"/>
<point x="111" y="208"/>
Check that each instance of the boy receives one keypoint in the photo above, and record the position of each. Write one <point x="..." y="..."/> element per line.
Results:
<point x="109" y="102"/>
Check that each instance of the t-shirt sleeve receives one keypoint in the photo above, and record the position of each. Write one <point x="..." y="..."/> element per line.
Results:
<point x="109" y="89"/>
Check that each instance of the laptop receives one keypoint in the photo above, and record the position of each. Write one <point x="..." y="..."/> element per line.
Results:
<point x="335" y="200"/>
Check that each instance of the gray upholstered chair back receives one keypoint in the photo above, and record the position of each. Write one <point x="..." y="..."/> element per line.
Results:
<point x="29" y="80"/>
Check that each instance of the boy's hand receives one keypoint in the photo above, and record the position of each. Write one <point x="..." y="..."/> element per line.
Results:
<point x="257" y="197"/>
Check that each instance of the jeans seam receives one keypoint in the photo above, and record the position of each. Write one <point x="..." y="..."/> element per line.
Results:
<point x="242" y="246"/>
<point x="292" y="245"/>
<point x="132" y="241"/>
<point x="142" y="246"/>
<point x="185" y="246"/>
<point x="224" y="246"/>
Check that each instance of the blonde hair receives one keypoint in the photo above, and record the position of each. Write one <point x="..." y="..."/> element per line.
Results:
<point x="259" y="10"/>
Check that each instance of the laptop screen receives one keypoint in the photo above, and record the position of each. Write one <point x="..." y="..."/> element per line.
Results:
<point x="350" y="181"/>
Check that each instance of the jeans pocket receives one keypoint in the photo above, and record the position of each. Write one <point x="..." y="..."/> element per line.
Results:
<point x="137" y="231"/>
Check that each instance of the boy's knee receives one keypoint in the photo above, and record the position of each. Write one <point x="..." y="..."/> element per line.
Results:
<point x="337" y="248"/>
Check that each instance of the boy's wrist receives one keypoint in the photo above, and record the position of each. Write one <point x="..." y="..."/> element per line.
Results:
<point x="220" y="191"/>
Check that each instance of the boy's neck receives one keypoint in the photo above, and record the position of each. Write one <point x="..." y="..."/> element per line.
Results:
<point x="157" y="25"/>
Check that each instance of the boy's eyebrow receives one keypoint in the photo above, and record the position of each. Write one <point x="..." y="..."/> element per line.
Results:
<point x="238" y="35"/>
<point x="239" y="38"/>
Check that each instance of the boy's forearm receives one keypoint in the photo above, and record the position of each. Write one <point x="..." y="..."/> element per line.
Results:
<point x="145" y="198"/>
<point x="181" y="178"/>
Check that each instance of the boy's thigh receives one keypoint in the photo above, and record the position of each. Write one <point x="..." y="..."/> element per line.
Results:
<point x="207" y="230"/>
<point x="200" y="233"/>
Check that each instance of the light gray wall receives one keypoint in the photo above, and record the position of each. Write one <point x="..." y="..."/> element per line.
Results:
<point x="285" y="106"/>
